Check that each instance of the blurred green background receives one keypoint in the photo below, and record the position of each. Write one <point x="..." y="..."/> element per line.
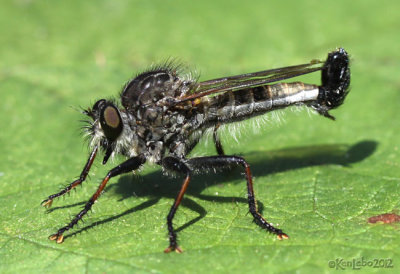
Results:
<point x="316" y="179"/>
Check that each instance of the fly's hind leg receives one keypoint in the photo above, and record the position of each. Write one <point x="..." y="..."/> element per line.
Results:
<point x="217" y="141"/>
<point x="215" y="162"/>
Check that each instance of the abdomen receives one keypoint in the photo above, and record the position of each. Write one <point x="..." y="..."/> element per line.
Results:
<point x="246" y="103"/>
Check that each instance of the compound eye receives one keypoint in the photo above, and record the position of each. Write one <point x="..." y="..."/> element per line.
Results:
<point x="111" y="122"/>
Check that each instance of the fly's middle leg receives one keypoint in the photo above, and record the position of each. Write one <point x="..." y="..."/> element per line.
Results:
<point x="176" y="165"/>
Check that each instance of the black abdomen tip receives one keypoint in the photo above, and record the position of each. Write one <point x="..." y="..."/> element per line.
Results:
<point x="336" y="78"/>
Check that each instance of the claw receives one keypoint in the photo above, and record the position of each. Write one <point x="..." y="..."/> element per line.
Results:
<point x="56" y="237"/>
<point x="172" y="248"/>
<point x="282" y="236"/>
<point x="47" y="203"/>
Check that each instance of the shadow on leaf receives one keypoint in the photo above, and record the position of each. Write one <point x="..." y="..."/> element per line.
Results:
<point x="156" y="186"/>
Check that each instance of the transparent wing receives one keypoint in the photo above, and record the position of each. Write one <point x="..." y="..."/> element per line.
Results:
<point x="249" y="80"/>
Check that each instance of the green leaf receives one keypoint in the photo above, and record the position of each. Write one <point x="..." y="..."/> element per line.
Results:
<point x="317" y="180"/>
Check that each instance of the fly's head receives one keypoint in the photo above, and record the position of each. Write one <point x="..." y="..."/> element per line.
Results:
<point x="335" y="82"/>
<point x="107" y="126"/>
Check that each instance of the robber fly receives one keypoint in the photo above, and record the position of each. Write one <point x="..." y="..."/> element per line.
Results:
<point x="163" y="115"/>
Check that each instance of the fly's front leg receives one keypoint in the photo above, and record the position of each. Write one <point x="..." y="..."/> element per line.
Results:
<point x="211" y="162"/>
<point x="129" y="165"/>
<point x="47" y="203"/>
<point x="176" y="165"/>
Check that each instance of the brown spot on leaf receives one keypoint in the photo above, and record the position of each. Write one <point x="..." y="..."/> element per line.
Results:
<point x="386" y="218"/>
